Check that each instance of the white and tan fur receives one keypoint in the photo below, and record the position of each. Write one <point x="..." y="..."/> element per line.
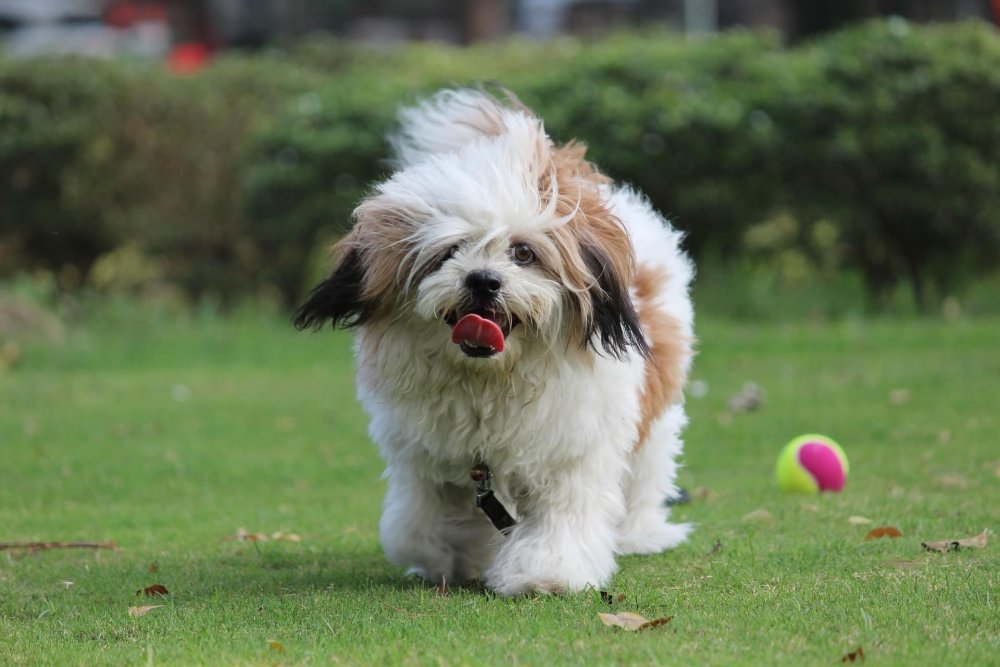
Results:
<point x="579" y="416"/>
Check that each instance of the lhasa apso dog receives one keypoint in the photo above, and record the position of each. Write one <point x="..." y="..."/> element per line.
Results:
<point x="524" y="332"/>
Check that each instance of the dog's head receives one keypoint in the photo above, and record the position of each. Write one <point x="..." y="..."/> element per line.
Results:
<point x="489" y="230"/>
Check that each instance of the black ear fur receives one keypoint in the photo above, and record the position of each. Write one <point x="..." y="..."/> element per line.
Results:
<point x="614" y="320"/>
<point x="337" y="299"/>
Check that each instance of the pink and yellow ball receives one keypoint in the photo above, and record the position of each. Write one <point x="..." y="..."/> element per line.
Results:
<point x="811" y="464"/>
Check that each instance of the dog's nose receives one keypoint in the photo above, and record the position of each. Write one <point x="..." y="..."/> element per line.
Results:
<point x="483" y="284"/>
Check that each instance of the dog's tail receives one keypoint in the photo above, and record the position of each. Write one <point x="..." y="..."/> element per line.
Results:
<point x="449" y="120"/>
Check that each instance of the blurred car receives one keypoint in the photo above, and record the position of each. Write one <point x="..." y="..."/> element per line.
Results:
<point x="36" y="27"/>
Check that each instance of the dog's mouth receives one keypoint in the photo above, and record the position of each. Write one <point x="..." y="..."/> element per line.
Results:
<point x="480" y="332"/>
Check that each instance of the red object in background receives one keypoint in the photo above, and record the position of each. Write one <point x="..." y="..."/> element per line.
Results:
<point x="188" y="58"/>
<point x="996" y="11"/>
<point x="127" y="13"/>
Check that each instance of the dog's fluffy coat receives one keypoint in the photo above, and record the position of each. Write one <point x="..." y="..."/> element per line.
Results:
<point x="579" y="415"/>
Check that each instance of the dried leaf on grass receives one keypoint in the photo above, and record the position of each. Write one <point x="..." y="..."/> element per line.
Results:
<point x="708" y="495"/>
<point x="883" y="531"/>
<point x="40" y="546"/>
<point x="142" y="611"/>
<point x="747" y="399"/>
<point x="287" y="537"/>
<point x="858" y="520"/>
<point x="760" y="515"/>
<point x="632" y="622"/>
<point x="857" y="655"/>
<point x="155" y="589"/>
<point x="899" y="396"/>
<point x="154" y="567"/>
<point x="954" y="481"/>
<point x="276" y="646"/>
<point x="243" y="536"/>
<point x="974" y="542"/>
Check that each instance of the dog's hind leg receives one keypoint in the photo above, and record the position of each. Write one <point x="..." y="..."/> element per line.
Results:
<point x="651" y="481"/>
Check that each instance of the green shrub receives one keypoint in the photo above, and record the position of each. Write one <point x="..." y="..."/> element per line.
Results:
<point x="678" y="119"/>
<point x="49" y="111"/>
<point x="175" y="178"/>
<point x="894" y="135"/>
<point x="875" y="149"/>
<point x="102" y="156"/>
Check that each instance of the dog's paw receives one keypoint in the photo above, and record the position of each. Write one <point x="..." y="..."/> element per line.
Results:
<point x="652" y="537"/>
<point x="515" y="585"/>
<point x="550" y="567"/>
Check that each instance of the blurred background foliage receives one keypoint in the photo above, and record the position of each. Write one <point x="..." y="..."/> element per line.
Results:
<point x="860" y="170"/>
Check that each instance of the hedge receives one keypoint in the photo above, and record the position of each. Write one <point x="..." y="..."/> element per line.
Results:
<point x="873" y="149"/>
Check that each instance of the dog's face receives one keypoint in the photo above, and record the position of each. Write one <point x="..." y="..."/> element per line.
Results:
<point x="504" y="242"/>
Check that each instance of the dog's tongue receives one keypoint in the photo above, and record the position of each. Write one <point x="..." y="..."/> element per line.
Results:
<point x="478" y="331"/>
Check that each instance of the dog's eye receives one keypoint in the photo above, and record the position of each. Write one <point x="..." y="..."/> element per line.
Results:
<point x="451" y="251"/>
<point x="522" y="253"/>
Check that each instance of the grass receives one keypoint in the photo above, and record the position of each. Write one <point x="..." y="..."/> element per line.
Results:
<point x="166" y="437"/>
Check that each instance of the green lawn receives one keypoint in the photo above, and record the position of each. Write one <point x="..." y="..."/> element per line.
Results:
<point x="168" y="437"/>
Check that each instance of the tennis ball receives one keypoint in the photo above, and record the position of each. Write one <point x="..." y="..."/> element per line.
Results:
<point x="811" y="464"/>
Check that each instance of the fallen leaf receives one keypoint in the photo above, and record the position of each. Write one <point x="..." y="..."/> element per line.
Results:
<point x="883" y="531"/>
<point x="708" y="495"/>
<point x="760" y="515"/>
<point x="858" y="520"/>
<point x="632" y="622"/>
<point x="953" y="481"/>
<point x="747" y="399"/>
<point x="154" y="567"/>
<point x="10" y="354"/>
<point x="857" y="655"/>
<point x="142" y="611"/>
<point x="276" y="646"/>
<point x="974" y="542"/>
<point x="39" y="546"/>
<point x="899" y="396"/>
<point x="243" y="536"/>
<point x="155" y="589"/>
<point x="287" y="537"/>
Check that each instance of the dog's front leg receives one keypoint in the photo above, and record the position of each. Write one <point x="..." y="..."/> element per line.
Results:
<point x="433" y="528"/>
<point x="565" y="537"/>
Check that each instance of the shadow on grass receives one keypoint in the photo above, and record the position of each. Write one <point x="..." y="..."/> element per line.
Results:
<point x="291" y="572"/>
<point x="249" y="569"/>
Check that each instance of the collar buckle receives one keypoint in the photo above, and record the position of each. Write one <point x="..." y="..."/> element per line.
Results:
<point x="487" y="501"/>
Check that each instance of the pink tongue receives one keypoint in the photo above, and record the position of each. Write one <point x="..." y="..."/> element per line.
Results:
<point x="479" y="331"/>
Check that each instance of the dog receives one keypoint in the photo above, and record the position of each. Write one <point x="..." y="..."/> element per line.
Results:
<point x="523" y="336"/>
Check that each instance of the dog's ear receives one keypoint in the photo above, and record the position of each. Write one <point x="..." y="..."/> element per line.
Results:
<point x="613" y="320"/>
<point x="338" y="299"/>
